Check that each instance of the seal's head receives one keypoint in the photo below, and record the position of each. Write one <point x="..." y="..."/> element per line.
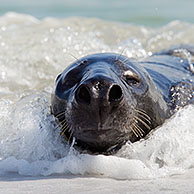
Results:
<point x="104" y="100"/>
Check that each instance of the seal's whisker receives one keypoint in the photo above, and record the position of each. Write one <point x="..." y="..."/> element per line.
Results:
<point x="77" y="60"/>
<point x="63" y="124"/>
<point x="60" y="114"/>
<point x="142" y="113"/>
<point x="57" y="127"/>
<point x="143" y="117"/>
<point x="134" y="131"/>
<point x="118" y="57"/>
<point x="124" y="61"/>
<point x="70" y="136"/>
<point x="64" y="127"/>
<point x="139" y="129"/>
<point x="144" y="123"/>
<point x="63" y="130"/>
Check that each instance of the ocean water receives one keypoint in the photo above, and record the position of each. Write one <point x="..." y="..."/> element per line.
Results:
<point x="32" y="53"/>
<point x="151" y="13"/>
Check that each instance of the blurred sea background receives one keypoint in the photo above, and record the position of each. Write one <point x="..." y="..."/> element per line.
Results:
<point x="150" y="13"/>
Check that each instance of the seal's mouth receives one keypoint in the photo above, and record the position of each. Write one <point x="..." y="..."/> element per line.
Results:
<point x="96" y="131"/>
<point x="86" y="134"/>
<point x="91" y="140"/>
<point x="101" y="139"/>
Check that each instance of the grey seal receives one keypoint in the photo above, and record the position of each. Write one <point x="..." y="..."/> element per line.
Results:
<point x="104" y="100"/>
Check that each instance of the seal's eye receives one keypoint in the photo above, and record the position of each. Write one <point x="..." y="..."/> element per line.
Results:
<point x="84" y="62"/>
<point x="132" y="78"/>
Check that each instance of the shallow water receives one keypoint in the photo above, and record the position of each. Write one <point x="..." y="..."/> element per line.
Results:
<point x="33" y="52"/>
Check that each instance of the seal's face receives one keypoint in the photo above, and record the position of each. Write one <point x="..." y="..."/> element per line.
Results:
<point x="100" y="100"/>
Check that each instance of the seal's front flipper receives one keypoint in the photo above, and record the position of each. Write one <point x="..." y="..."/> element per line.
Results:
<point x="184" y="51"/>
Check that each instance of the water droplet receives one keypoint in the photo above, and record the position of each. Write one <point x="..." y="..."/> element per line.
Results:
<point x="51" y="30"/>
<point x="3" y="28"/>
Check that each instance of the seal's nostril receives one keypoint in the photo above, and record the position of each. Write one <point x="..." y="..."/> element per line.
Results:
<point x="83" y="95"/>
<point x="115" y="94"/>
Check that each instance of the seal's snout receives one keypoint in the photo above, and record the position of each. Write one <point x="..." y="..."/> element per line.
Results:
<point x="105" y="95"/>
<point x="99" y="99"/>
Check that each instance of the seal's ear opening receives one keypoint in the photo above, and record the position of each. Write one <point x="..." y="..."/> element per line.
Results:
<point x="58" y="77"/>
